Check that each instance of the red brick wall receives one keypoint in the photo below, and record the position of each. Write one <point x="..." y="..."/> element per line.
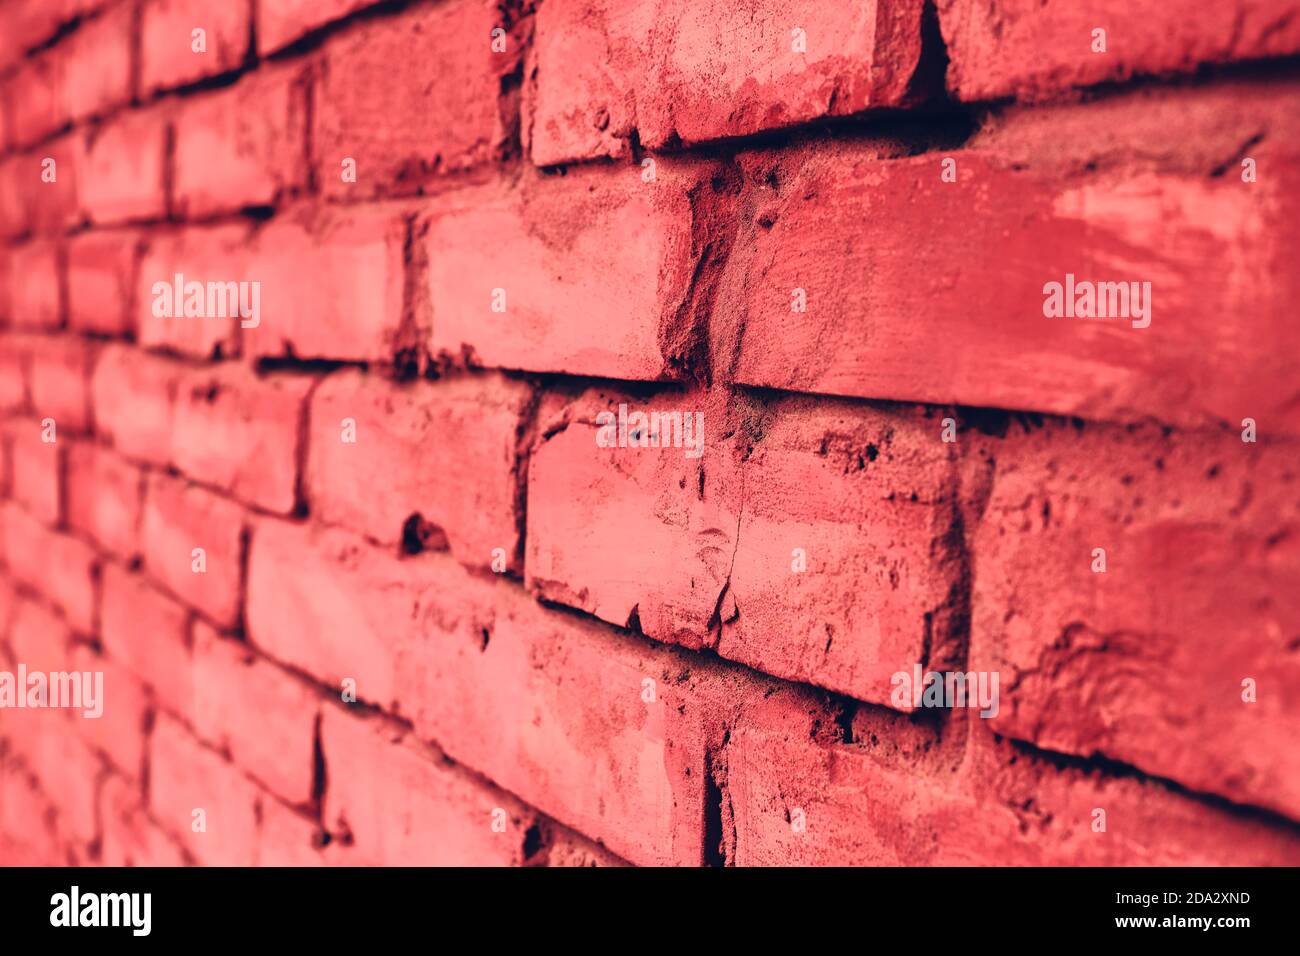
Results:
<point x="826" y="228"/>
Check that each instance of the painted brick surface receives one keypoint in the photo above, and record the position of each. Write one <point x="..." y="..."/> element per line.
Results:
<point x="389" y="537"/>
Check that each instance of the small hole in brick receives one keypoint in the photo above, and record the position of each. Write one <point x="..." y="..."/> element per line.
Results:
<point x="487" y="636"/>
<point x="532" y="841"/>
<point x="421" y="535"/>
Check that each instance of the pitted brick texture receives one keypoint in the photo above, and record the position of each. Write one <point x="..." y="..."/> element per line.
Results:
<point x="380" y="576"/>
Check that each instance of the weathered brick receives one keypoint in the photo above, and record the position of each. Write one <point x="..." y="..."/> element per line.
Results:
<point x="36" y="285"/>
<point x="59" y="566"/>
<point x="41" y="641"/>
<point x="332" y="285"/>
<point x="814" y="542"/>
<point x="60" y="381"/>
<point x="875" y="806"/>
<point x="134" y="394"/>
<point x="604" y="72"/>
<point x="203" y="321"/>
<point x="67" y="770"/>
<point x="409" y="98"/>
<point x="104" y="497"/>
<point x="1034" y="51"/>
<point x="96" y="64"/>
<point x="123" y="175"/>
<point x="545" y="249"/>
<point x="119" y="732"/>
<point x="38" y="189"/>
<point x="241" y="433"/>
<point x="168" y="40"/>
<point x="261" y="717"/>
<point x="1146" y="661"/>
<point x="35" y="469"/>
<point x="14" y="359"/>
<point x="181" y="519"/>
<point x="36" y="100"/>
<point x="445" y="453"/>
<point x="390" y="802"/>
<point x="129" y="837"/>
<point x="923" y="290"/>
<point x="148" y="634"/>
<point x="228" y="157"/>
<point x="201" y="799"/>
<point x="103" y="273"/>
<point x="485" y="673"/>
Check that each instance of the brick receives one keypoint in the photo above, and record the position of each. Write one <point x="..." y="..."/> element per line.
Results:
<point x="68" y="769"/>
<point x="119" y="732"/>
<point x="389" y="802"/>
<point x="104" y="497"/>
<point x="186" y="777"/>
<point x="410" y="98"/>
<point x="973" y="258"/>
<point x="38" y="189"/>
<point x="203" y="321"/>
<point x="865" y="809"/>
<point x="180" y="518"/>
<point x="27" y="818"/>
<point x="36" y="100"/>
<point x="261" y="717"/>
<point x="148" y="634"/>
<point x="865" y="493"/>
<point x="1021" y="48"/>
<point x="14" y="359"/>
<point x="556" y="245"/>
<point x="35" y="470"/>
<point x="281" y="22"/>
<point x="59" y="566"/>
<point x="123" y="178"/>
<point x="445" y="452"/>
<point x="41" y="641"/>
<point x="60" y="381"/>
<point x="480" y="674"/>
<point x="167" y="42"/>
<point x="1199" y="593"/>
<point x="129" y="837"/>
<point x="134" y="395"/>
<point x="681" y="72"/>
<point x="36" y="285"/>
<point x="95" y="63"/>
<point x="332" y="285"/>
<point x="241" y="433"/>
<point x="228" y="157"/>
<point x="103" y="273"/>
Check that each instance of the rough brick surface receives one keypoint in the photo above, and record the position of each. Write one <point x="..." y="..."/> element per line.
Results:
<point x="229" y="157"/>
<point x="242" y="433"/>
<point x="332" y="284"/>
<point x="1199" y="594"/>
<point x="405" y="554"/>
<point x="123" y="175"/>
<point x="104" y="496"/>
<point x="1034" y="51"/>
<point x="134" y="395"/>
<point x="193" y="542"/>
<point x="513" y="271"/>
<point x="442" y="462"/>
<point x="402" y="128"/>
<point x="679" y="72"/>
<point x="173" y="54"/>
